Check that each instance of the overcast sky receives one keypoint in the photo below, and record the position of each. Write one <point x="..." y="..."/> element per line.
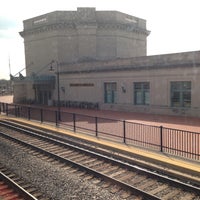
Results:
<point x="174" y="24"/>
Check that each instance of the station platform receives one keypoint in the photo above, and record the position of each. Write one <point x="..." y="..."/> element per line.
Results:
<point x="176" y="166"/>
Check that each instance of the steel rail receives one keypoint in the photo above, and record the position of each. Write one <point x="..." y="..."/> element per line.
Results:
<point x="56" y="140"/>
<point x="172" y="181"/>
<point x="136" y="159"/>
<point x="17" y="188"/>
<point x="134" y="190"/>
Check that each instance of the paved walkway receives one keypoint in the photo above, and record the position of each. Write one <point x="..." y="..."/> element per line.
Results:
<point x="176" y="122"/>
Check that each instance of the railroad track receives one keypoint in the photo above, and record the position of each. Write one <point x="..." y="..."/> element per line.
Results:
<point x="14" y="188"/>
<point x="132" y="179"/>
<point x="184" y="176"/>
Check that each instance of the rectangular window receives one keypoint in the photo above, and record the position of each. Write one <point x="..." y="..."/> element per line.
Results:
<point x="181" y="94"/>
<point x="141" y="93"/>
<point x="110" y="92"/>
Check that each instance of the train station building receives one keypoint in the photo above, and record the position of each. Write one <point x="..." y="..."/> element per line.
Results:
<point x="97" y="59"/>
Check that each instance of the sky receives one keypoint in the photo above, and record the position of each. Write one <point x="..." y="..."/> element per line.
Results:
<point x="174" y="25"/>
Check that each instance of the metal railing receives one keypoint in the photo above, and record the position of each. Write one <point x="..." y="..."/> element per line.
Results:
<point x="172" y="141"/>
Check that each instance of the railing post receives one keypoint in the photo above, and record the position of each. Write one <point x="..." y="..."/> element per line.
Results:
<point x="6" y="109"/>
<point x="74" y="121"/>
<point x="161" y="138"/>
<point x="3" y="107"/>
<point x="56" y="117"/>
<point x="29" y="113"/>
<point x="96" y="126"/>
<point x="124" y="131"/>
<point x="41" y="115"/>
<point x="18" y="111"/>
<point x="15" y="111"/>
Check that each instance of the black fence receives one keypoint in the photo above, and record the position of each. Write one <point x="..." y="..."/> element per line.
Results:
<point x="172" y="141"/>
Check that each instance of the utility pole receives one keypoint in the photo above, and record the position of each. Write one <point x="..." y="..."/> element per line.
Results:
<point x="10" y="82"/>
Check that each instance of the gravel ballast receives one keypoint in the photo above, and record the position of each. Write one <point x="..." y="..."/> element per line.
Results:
<point x="55" y="182"/>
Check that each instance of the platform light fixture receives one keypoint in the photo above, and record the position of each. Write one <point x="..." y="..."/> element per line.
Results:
<point x="54" y="67"/>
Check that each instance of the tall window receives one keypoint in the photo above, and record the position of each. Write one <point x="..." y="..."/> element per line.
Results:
<point x="181" y="94"/>
<point x="110" y="92"/>
<point x="141" y="93"/>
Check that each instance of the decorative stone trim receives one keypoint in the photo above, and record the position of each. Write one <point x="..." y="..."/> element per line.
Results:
<point x="47" y="28"/>
<point x="123" y="27"/>
<point x="131" y="68"/>
<point x="74" y="26"/>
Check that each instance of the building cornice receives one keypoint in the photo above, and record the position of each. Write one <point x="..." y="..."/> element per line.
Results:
<point x="76" y="26"/>
<point x="123" y="27"/>
<point x="46" y="28"/>
<point x="132" y="68"/>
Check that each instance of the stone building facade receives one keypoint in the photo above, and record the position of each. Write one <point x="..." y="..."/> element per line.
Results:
<point x="161" y="84"/>
<point x="82" y="35"/>
<point x="103" y="70"/>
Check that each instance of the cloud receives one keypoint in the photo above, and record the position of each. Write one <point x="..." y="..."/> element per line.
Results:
<point x="6" y="23"/>
<point x="7" y="34"/>
<point x="8" y="27"/>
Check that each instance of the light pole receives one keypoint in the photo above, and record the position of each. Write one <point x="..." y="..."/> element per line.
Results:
<point x="58" y="85"/>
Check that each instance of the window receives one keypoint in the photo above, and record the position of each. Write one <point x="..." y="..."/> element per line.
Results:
<point x="141" y="93"/>
<point x="181" y="94"/>
<point x="110" y="92"/>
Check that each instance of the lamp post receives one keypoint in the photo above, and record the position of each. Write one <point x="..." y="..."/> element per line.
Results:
<point x="58" y="85"/>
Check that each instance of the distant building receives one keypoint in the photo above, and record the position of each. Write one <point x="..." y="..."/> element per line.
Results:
<point x="5" y="87"/>
<point x="100" y="59"/>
